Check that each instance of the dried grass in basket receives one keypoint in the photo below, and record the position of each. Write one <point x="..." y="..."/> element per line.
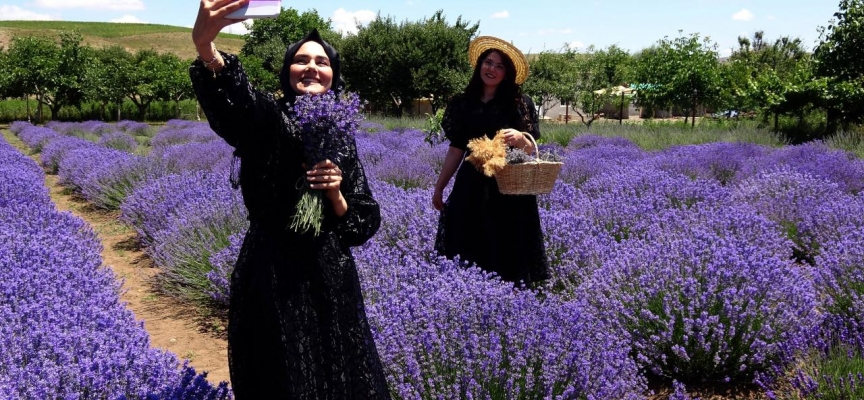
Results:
<point x="530" y="178"/>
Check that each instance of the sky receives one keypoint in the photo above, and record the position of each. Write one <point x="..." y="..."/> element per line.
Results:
<point x="533" y="26"/>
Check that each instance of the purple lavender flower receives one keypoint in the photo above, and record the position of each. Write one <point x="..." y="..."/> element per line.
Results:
<point x="35" y="137"/>
<point x="118" y="140"/>
<point x="223" y="265"/>
<point x="182" y="220"/>
<point x="328" y="124"/>
<point x="183" y="132"/>
<point x="65" y="332"/>
<point x="54" y="150"/>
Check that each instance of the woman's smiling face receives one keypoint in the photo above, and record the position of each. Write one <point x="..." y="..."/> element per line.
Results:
<point x="493" y="70"/>
<point x="310" y="69"/>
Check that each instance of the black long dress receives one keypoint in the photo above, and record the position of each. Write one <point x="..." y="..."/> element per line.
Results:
<point x="297" y="323"/>
<point x="500" y="233"/>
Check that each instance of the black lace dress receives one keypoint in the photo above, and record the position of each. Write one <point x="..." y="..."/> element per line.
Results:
<point x="500" y="233"/>
<point x="297" y="324"/>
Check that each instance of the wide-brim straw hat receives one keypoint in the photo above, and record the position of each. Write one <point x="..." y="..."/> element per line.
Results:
<point x="483" y="43"/>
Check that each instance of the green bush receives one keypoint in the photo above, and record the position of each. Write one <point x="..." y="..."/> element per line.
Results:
<point x="159" y="111"/>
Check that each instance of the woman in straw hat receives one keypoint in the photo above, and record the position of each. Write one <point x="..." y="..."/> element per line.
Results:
<point x="500" y="233"/>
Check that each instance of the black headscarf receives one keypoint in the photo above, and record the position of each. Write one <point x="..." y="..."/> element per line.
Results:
<point x="332" y="54"/>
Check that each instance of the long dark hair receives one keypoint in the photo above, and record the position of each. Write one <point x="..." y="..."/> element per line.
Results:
<point x="507" y="90"/>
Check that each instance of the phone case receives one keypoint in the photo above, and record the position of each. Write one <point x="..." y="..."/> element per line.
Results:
<point x="258" y="9"/>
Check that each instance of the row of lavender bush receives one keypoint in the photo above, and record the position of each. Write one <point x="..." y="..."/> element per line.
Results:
<point x="716" y="262"/>
<point x="63" y="331"/>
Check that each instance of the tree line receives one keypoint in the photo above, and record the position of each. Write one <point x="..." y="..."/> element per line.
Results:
<point x="389" y="63"/>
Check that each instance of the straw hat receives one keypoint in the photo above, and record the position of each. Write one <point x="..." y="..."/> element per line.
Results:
<point x="483" y="43"/>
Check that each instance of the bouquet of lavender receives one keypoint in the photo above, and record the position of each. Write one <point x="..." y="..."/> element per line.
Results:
<point x="327" y="123"/>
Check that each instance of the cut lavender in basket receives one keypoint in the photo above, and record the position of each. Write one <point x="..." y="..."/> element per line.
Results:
<point x="518" y="156"/>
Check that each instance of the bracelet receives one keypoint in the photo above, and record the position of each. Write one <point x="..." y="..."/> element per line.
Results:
<point x="212" y="61"/>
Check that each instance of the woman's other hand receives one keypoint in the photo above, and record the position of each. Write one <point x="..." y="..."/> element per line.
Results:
<point x="514" y="138"/>
<point x="211" y="19"/>
<point x="438" y="200"/>
<point x="327" y="176"/>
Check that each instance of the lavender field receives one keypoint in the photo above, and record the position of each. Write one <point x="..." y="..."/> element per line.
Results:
<point x="64" y="333"/>
<point x="728" y="263"/>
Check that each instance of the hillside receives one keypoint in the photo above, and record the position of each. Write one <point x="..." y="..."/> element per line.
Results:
<point x="162" y="38"/>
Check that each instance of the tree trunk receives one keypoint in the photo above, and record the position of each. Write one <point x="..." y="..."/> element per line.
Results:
<point x="567" y="113"/>
<point x="55" y="111"/>
<point x="695" y="105"/>
<point x="832" y="121"/>
<point x="27" y="100"/>
<point x="142" y="111"/>
<point x="39" y="112"/>
<point x="621" y="110"/>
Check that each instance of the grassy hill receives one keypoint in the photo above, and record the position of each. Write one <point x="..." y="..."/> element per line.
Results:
<point x="162" y="38"/>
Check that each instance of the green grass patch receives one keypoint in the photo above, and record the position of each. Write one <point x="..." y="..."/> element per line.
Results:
<point x="99" y="29"/>
<point x="649" y="135"/>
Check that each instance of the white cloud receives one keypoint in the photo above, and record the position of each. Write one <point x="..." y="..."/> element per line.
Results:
<point x="501" y="14"/>
<point x="726" y="52"/>
<point x="743" y="15"/>
<point x="19" y="14"/>
<point x="346" y="21"/>
<point x="129" y="19"/>
<point x="771" y="17"/>
<point x="239" y="29"/>
<point x="93" y="4"/>
<point x="576" y="44"/>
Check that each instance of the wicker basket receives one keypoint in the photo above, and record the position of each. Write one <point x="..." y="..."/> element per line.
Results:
<point x="531" y="178"/>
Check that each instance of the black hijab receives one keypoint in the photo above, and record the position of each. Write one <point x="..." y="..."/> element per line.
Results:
<point x="332" y="54"/>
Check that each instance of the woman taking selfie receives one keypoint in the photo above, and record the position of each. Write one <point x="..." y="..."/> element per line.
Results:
<point x="297" y="325"/>
<point x="500" y="233"/>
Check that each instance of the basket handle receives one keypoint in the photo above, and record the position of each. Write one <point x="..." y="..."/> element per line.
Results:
<point x="534" y="142"/>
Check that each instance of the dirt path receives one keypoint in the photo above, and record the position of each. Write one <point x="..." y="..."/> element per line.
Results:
<point x="180" y="330"/>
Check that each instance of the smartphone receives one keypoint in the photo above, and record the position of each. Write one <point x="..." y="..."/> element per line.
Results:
<point x="257" y="9"/>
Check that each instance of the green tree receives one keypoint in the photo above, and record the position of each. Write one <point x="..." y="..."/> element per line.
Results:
<point x="759" y="75"/>
<point x="53" y="73"/>
<point x="390" y="64"/>
<point x="838" y="59"/>
<point x="75" y="59"/>
<point x="436" y="49"/>
<point x="143" y="87"/>
<point x="33" y="63"/>
<point x="683" y="72"/>
<point x="112" y="73"/>
<point x="372" y="58"/>
<point x="551" y="79"/>
<point x="263" y="52"/>
<point x="172" y="79"/>
<point x="594" y="75"/>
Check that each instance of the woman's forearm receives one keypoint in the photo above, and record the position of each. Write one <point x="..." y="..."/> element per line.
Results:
<point x="451" y="163"/>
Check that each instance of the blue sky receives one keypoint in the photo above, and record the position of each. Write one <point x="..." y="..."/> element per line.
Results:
<point x="532" y="26"/>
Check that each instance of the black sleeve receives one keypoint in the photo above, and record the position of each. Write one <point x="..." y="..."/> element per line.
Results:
<point x="363" y="217"/>
<point x="238" y="113"/>
<point x="452" y="125"/>
<point x="533" y="120"/>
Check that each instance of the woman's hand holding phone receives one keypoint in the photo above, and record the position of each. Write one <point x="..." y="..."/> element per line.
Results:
<point x="211" y="20"/>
